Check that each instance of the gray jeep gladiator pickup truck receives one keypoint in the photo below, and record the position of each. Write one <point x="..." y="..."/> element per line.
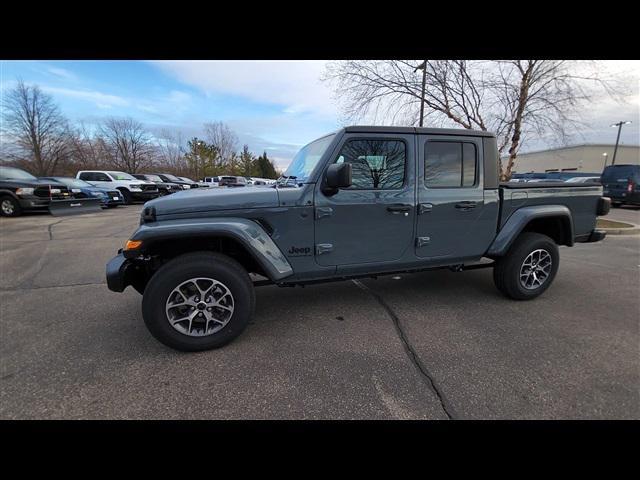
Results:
<point x="360" y="202"/>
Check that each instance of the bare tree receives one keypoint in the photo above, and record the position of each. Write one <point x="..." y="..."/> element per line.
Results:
<point x="170" y="150"/>
<point x="128" y="144"/>
<point x="34" y="128"/>
<point x="513" y="99"/>
<point x="86" y="150"/>
<point x="224" y="139"/>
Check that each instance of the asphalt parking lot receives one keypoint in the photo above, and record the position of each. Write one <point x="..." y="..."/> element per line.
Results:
<point x="432" y="345"/>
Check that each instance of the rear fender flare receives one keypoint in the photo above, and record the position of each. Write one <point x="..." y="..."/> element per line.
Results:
<point x="519" y="220"/>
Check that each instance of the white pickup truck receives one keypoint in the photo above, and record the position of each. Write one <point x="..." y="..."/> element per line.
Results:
<point x="130" y="187"/>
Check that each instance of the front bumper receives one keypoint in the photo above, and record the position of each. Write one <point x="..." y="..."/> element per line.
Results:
<point x="118" y="272"/>
<point x="145" y="195"/>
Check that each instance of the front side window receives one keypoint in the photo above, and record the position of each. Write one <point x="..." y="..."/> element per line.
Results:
<point x="450" y="164"/>
<point x="376" y="164"/>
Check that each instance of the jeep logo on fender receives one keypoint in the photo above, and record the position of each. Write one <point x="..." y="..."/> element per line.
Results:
<point x="299" y="251"/>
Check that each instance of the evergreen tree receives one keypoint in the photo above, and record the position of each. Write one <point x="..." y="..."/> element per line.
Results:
<point x="265" y="168"/>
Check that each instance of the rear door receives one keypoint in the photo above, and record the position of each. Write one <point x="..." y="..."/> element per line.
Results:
<point x="451" y="218"/>
<point x="372" y="221"/>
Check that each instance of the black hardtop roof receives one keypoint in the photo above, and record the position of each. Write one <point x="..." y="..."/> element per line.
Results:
<point x="418" y="130"/>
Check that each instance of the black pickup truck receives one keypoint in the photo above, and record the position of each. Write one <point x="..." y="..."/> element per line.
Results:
<point x="360" y="202"/>
<point x="22" y="192"/>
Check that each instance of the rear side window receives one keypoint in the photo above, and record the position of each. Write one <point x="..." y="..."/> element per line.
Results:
<point x="450" y="164"/>
<point x="376" y="164"/>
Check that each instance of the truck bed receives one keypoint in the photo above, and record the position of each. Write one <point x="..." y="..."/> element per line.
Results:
<point x="581" y="200"/>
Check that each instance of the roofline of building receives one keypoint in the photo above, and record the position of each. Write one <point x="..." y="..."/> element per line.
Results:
<point x="609" y="145"/>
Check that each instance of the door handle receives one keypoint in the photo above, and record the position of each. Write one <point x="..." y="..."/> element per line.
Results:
<point x="465" y="205"/>
<point x="395" y="209"/>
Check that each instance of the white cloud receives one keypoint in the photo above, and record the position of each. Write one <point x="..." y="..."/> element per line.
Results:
<point x="62" y="73"/>
<point x="295" y="85"/>
<point x="101" y="100"/>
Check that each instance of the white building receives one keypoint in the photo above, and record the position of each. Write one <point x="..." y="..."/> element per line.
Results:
<point x="589" y="158"/>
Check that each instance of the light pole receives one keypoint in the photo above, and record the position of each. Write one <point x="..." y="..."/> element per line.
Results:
<point x="615" y="150"/>
<point x="605" y="155"/>
<point x="423" y="67"/>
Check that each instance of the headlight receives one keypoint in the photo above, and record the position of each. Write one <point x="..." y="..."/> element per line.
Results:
<point x="186" y="187"/>
<point x="135" y="188"/>
<point x="24" y="191"/>
<point x="97" y="194"/>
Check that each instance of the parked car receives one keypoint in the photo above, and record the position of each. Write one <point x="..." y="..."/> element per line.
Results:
<point x="193" y="183"/>
<point x="165" y="188"/>
<point x="583" y="180"/>
<point x="168" y="178"/>
<point x="130" y="187"/>
<point x="192" y="255"/>
<point x="622" y="184"/>
<point x="212" y="181"/>
<point x="232" y="181"/>
<point x="20" y="191"/>
<point x="82" y="189"/>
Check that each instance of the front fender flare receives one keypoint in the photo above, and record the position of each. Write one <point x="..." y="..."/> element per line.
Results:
<point x="249" y="233"/>
<point x="519" y="220"/>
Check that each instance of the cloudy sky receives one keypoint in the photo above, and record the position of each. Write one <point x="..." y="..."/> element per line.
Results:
<point x="276" y="106"/>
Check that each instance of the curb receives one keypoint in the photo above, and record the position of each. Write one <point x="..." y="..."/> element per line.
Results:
<point x="631" y="230"/>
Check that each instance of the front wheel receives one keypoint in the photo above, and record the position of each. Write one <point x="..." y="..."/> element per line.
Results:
<point x="9" y="207"/>
<point x="198" y="301"/>
<point x="528" y="268"/>
<point x="126" y="196"/>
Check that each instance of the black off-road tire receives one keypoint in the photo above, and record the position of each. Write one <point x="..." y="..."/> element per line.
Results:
<point x="16" y="209"/>
<point x="191" y="265"/>
<point x="506" y="271"/>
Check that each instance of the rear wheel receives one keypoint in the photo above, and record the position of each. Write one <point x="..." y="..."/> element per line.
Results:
<point x="198" y="301"/>
<point x="528" y="268"/>
<point x="9" y="207"/>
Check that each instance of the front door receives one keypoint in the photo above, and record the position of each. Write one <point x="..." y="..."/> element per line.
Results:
<point x="373" y="220"/>
<point x="451" y="209"/>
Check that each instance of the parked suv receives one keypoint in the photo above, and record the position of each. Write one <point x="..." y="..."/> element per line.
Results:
<point x="622" y="184"/>
<point x="130" y="187"/>
<point x="232" y="181"/>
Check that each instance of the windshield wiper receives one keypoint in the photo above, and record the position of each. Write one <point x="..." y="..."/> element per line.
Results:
<point x="285" y="179"/>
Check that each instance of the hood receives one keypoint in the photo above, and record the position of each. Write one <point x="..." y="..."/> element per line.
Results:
<point x="33" y="183"/>
<point x="211" y="199"/>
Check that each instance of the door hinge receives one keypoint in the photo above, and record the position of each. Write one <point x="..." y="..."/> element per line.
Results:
<point x="424" y="208"/>
<point x="422" y="241"/>
<point x="323" y="248"/>
<point x="323" y="212"/>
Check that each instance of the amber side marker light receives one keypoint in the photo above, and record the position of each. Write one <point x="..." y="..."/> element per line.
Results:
<point x="132" y="244"/>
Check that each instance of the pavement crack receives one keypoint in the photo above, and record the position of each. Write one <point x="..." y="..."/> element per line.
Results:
<point x="51" y="225"/>
<point x="22" y="289"/>
<point x="411" y="353"/>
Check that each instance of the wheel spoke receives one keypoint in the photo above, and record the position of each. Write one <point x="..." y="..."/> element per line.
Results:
<point x="189" y="316"/>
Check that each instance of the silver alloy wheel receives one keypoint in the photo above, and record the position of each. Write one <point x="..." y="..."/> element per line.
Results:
<point x="199" y="307"/>
<point x="7" y="207"/>
<point x="535" y="269"/>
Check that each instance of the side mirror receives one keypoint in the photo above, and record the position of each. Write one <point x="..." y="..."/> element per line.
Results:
<point x="338" y="176"/>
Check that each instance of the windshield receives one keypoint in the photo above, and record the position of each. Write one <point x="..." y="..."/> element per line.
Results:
<point x="9" y="173"/>
<point x="121" y="176"/>
<point x="171" y="178"/>
<point x="307" y="158"/>
<point x="153" y="178"/>
<point x="188" y="180"/>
